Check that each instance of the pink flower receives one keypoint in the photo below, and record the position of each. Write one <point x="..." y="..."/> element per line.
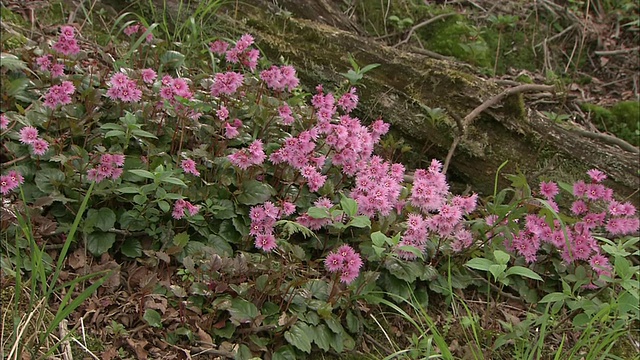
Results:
<point x="189" y="166"/>
<point x="218" y="47"/>
<point x="345" y="261"/>
<point x="334" y="262"/>
<point x="67" y="32"/>
<point x="349" y="100"/>
<point x="28" y="135"/>
<point x="266" y="242"/>
<point x="549" y="189"/>
<point x="230" y="131"/>
<point x="44" y="62"/>
<point x="596" y="175"/>
<point x="223" y="113"/>
<point x="7" y="185"/>
<point x="579" y="207"/>
<point x="16" y="177"/>
<point x="285" y="113"/>
<point x="132" y="29"/>
<point x="226" y="83"/>
<point x="119" y="80"/>
<point x="149" y="76"/>
<point x="39" y="147"/>
<point x="4" y="122"/>
<point x="288" y="208"/>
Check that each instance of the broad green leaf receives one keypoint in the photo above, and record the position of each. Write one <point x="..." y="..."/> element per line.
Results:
<point x="318" y="212"/>
<point x="323" y="337"/>
<point x="104" y="218"/>
<point x="142" y="173"/>
<point x="220" y="245"/>
<point x="334" y="325"/>
<point x="501" y="257"/>
<point x="223" y="209"/>
<point x="47" y="180"/>
<point x="132" y="248"/>
<point x="353" y="324"/>
<point x="99" y="242"/>
<point x="111" y="126"/>
<point x="379" y="239"/>
<point x="408" y="271"/>
<point x="153" y="318"/>
<point x="479" y="264"/>
<point x="523" y="271"/>
<point x="228" y="232"/>
<point x="497" y="269"/>
<point x="285" y="353"/>
<point x="142" y="134"/>
<point x="349" y="206"/>
<point x="242" y="311"/>
<point x="174" y="181"/>
<point x="164" y="206"/>
<point x="114" y="133"/>
<point x="172" y="59"/>
<point x="361" y="221"/>
<point x="298" y="336"/>
<point x="129" y="190"/>
<point x="181" y="239"/>
<point x="11" y="62"/>
<point x="553" y="297"/>
<point x="255" y="192"/>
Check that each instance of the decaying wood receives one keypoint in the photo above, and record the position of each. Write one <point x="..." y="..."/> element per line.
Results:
<point x="407" y="84"/>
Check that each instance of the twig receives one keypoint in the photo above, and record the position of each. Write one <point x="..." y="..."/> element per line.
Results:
<point x="432" y="54"/>
<point x="424" y="23"/>
<point x="202" y="351"/>
<point x="608" y="139"/>
<point x="566" y="30"/>
<point x="67" y="354"/>
<point x="484" y="106"/>
<point x="85" y="349"/>
<point x="616" y="52"/>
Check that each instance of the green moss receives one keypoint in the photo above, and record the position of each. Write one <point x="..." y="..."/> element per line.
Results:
<point x="514" y="51"/>
<point x="622" y="119"/>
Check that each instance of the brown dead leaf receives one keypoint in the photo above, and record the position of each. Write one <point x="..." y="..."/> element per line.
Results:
<point x="113" y="282"/>
<point x="109" y="354"/>
<point x="77" y="259"/>
<point x="204" y="337"/>
<point x="138" y="347"/>
<point x="156" y="302"/>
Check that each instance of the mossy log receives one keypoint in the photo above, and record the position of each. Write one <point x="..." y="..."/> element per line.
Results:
<point x="407" y="84"/>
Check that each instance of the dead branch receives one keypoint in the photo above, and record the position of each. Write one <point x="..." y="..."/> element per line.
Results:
<point x="616" y="52"/>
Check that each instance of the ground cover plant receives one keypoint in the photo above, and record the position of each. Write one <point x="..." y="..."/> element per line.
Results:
<point x="229" y="212"/>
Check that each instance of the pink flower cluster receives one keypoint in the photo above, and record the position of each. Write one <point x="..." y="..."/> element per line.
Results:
<point x="240" y="53"/>
<point x="4" y="122"/>
<point x="45" y="64"/>
<point x="286" y="115"/>
<point x="67" y="43"/>
<point x="578" y="243"/>
<point x="59" y="95"/>
<point x="109" y="167"/>
<point x="263" y="218"/>
<point x="138" y="28"/>
<point x="253" y="155"/>
<point x="345" y="261"/>
<point x="226" y="83"/>
<point x="122" y="88"/>
<point x="8" y="182"/>
<point x="378" y="187"/>
<point x="348" y="101"/>
<point x="171" y="88"/>
<point x="189" y="166"/>
<point x="180" y="206"/>
<point x="29" y="136"/>
<point x="280" y="78"/>
<point x="231" y="130"/>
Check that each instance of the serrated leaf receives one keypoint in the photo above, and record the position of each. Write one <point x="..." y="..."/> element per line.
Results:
<point x="255" y="192"/>
<point x="11" y="62"/>
<point x="220" y="245"/>
<point x="408" y="271"/>
<point x="298" y="336"/>
<point x="181" y="239"/>
<point x="523" y="271"/>
<point x="153" y="318"/>
<point x="223" y="209"/>
<point x="47" y="180"/>
<point x="334" y="325"/>
<point x="99" y="242"/>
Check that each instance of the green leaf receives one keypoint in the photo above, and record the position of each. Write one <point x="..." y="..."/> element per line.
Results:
<point x="142" y="134"/>
<point x="104" y="218"/>
<point x="174" y="181"/>
<point x="172" y="59"/>
<point x="132" y="248"/>
<point x="181" y="239"/>
<point x="553" y="297"/>
<point x="223" y="209"/>
<point x="298" y="336"/>
<point x="479" y="264"/>
<point x="152" y="318"/>
<point x="142" y="173"/>
<point x="497" y="269"/>
<point x="379" y="239"/>
<point x="255" y="192"/>
<point x="318" y="212"/>
<point x="129" y="190"/>
<point x="501" y="257"/>
<point x="285" y="353"/>
<point x="242" y="311"/>
<point x="334" y="325"/>
<point x="12" y="62"/>
<point x="323" y="337"/>
<point x="349" y="206"/>
<point x="114" y="133"/>
<point x="523" y="271"/>
<point x="353" y="324"/>
<point x="361" y="221"/>
<point x="408" y="271"/>
<point x="99" y="242"/>
<point x="219" y="245"/>
<point x="164" y="206"/>
<point x="47" y="180"/>
<point x="111" y="126"/>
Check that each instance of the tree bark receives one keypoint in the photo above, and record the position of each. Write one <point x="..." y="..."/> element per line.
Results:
<point x="317" y="39"/>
